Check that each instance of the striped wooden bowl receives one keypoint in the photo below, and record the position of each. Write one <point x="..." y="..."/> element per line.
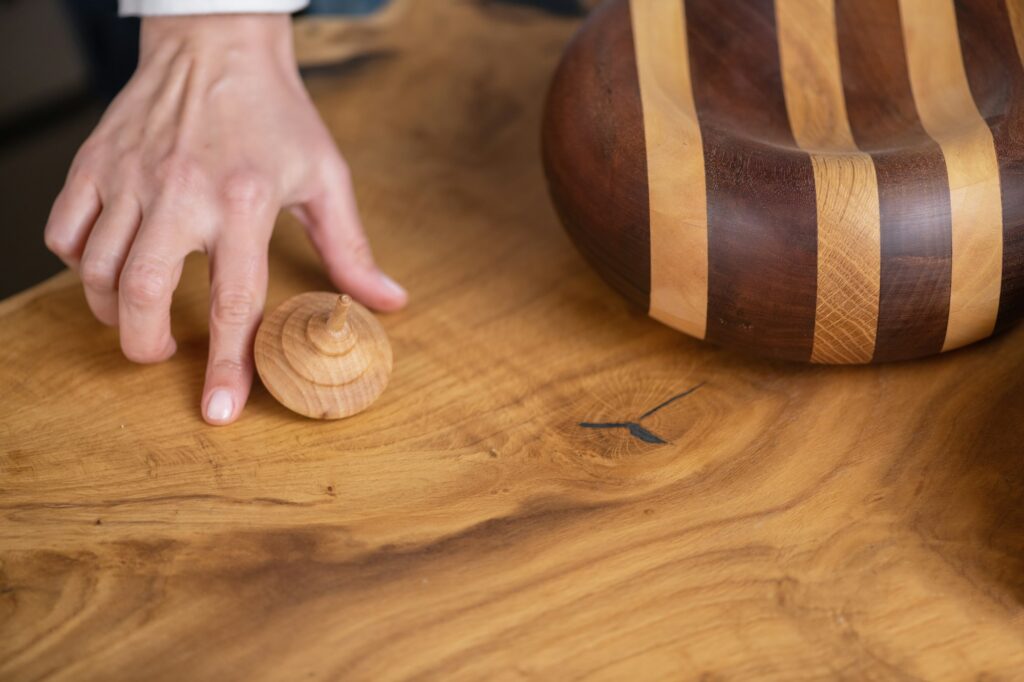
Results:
<point x="839" y="181"/>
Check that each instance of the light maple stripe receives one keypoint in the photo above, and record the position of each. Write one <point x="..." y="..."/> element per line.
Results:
<point x="846" y="189"/>
<point x="950" y="116"/>
<point x="675" y="167"/>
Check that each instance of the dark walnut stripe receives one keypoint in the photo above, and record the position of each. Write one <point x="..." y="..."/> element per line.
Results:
<point x="996" y="78"/>
<point x="913" y="189"/>
<point x="762" y="227"/>
<point x="594" y="152"/>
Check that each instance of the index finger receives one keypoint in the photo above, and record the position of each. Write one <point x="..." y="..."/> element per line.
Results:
<point x="150" y="276"/>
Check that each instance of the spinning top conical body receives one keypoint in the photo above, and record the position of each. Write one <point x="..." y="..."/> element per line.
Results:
<point x="323" y="355"/>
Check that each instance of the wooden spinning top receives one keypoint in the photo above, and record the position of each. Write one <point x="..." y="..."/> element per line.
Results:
<point x="323" y="355"/>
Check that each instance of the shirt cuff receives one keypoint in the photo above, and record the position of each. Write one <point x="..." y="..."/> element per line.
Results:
<point x="146" y="8"/>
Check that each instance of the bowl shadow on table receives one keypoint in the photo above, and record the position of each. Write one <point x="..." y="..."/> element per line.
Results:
<point x="962" y="497"/>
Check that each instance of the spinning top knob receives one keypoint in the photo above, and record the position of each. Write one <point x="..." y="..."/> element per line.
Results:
<point x="323" y="355"/>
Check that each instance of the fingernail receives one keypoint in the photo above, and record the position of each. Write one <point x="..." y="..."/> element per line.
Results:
<point x="393" y="287"/>
<point x="220" y="406"/>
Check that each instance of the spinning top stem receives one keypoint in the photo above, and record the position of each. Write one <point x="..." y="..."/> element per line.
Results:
<point x="331" y="332"/>
<point x="338" y="317"/>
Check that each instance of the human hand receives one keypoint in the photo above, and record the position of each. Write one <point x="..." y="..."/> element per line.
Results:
<point x="214" y="133"/>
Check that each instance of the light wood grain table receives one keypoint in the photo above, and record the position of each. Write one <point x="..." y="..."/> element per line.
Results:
<point x="776" y="522"/>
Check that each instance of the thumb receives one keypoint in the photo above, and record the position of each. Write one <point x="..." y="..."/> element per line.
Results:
<point x="333" y="224"/>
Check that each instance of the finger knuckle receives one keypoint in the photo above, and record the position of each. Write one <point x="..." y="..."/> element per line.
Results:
<point x="246" y="190"/>
<point x="86" y="161"/>
<point x="98" y="273"/>
<point x="57" y="242"/>
<point x="145" y="282"/>
<point x="142" y="353"/>
<point x="233" y="307"/>
<point x="230" y="366"/>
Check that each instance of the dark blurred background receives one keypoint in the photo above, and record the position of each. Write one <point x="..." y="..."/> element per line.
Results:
<point x="50" y="99"/>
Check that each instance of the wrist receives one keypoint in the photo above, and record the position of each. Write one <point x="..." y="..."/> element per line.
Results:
<point x="224" y="34"/>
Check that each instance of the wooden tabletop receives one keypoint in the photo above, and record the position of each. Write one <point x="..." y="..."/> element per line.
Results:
<point x="553" y="486"/>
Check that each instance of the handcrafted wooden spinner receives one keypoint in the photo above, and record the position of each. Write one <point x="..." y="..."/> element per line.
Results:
<point x="323" y="355"/>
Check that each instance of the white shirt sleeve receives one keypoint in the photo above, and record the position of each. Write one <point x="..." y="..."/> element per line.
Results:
<point x="147" y="8"/>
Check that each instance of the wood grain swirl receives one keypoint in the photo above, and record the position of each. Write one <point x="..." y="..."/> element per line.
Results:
<point x="675" y="163"/>
<point x="846" y="189"/>
<point x="950" y="116"/>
